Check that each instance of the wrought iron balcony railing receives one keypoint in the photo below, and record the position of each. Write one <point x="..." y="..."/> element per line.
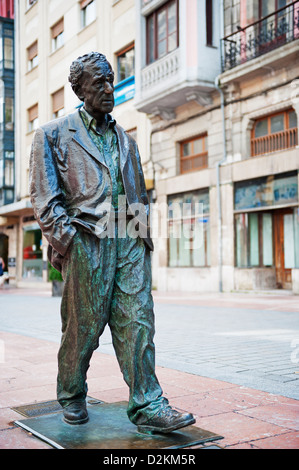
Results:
<point x="261" y="37"/>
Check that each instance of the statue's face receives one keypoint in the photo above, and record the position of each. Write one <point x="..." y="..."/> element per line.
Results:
<point x="97" y="88"/>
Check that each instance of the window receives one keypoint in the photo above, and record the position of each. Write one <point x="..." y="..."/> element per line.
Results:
<point x="32" y="252"/>
<point x="189" y="229"/>
<point x="58" y="103"/>
<point x="209" y="22"/>
<point x="194" y="154"/>
<point x="33" y="118"/>
<point x="254" y="244"/>
<point x="133" y="133"/>
<point x="126" y="63"/>
<point x="276" y="132"/>
<point x="32" y="56"/>
<point x="88" y="12"/>
<point x="9" y="113"/>
<point x="30" y="3"/>
<point x="7" y="177"/>
<point x="8" y="53"/>
<point x="57" y="34"/>
<point x="162" y="31"/>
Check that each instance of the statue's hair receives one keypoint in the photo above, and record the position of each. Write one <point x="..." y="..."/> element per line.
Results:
<point x="77" y="68"/>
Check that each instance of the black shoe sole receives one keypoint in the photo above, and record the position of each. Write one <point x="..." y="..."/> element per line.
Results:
<point x="76" y="421"/>
<point x="145" y="429"/>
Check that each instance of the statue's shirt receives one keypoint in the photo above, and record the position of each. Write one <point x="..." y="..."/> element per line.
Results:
<point x="107" y="145"/>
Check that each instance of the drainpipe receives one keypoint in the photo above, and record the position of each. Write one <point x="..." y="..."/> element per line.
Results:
<point x="223" y="160"/>
<point x="218" y="165"/>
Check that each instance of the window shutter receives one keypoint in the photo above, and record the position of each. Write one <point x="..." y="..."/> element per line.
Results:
<point x="58" y="100"/>
<point x="57" y="28"/>
<point x="32" y="51"/>
<point x="84" y="3"/>
<point x="33" y="113"/>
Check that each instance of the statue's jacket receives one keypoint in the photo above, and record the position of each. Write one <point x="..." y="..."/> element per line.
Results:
<point x="70" y="183"/>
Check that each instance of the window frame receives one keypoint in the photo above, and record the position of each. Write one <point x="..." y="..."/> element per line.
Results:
<point x="190" y="217"/>
<point x="193" y="156"/>
<point x="32" y="118"/>
<point x="84" y="4"/>
<point x="154" y="16"/>
<point x="57" y="31"/>
<point x="129" y="48"/>
<point x="58" y="103"/>
<point x="32" y="57"/>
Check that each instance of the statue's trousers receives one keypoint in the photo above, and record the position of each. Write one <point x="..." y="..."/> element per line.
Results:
<point x="108" y="281"/>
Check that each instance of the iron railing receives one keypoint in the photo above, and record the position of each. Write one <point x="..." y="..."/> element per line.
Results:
<point x="261" y="37"/>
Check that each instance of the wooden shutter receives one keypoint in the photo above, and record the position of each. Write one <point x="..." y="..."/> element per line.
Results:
<point x="58" y="100"/>
<point x="32" y="51"/>
<point x="84" y="3"/>
<point x="57" y="28"/>
<point x="33" y="113"/>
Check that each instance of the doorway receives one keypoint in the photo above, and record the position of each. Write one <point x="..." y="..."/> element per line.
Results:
<point x="284" y="249"/>
<point x="4" y="249"/>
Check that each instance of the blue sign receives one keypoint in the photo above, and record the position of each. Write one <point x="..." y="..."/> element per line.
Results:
<point x="124" y="90"/>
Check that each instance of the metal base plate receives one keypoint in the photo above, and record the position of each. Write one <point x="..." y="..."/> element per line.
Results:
<point x="109" y="428"/>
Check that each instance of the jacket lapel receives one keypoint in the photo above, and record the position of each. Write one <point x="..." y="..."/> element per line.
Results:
<point x="123" y="144"/>
<point x="82" y="137"/>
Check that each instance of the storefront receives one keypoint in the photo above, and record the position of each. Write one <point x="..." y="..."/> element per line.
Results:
<point x="266" y="231"/>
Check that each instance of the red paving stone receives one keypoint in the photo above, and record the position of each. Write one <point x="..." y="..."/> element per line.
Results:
<point x="246" y="418"/>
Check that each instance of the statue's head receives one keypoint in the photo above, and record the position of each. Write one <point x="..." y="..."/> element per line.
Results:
<point x="91" y="77"/>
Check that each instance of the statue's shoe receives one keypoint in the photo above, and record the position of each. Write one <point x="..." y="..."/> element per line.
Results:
<point x="166" y="420"/>
<point x="75" y="413"/>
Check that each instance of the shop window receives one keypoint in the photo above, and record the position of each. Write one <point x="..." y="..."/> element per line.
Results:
<point x="33" y="118"/>
<point x="162" y="31"/>
<point x="58" y="103"/>
<point x="278" y="190"/>
<point x="275" y="132"/>
<point x="88" y="12"/>
<point x="57" y="35"/>
<point x="189" y="230"/>
<point x="32" y="253"/>
<point x="194" y="154"/>
<point x="126" y="63"/>
<point x="254" y="235"/>
<point x="254" y="240"/>
<point x="32" y="56"/>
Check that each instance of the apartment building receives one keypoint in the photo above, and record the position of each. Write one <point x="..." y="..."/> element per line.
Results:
<point x="49" y="35"/>
<point x="210" y="90"/>
<point x="7" y="72"/>
<point x="222" y="98"/>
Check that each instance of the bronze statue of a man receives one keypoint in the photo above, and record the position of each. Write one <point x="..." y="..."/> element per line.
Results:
<point x="80" y="167"/>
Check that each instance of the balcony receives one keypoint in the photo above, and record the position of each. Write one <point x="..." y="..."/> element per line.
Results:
<point x="184" y="69"/>
<point x="273" y="142"/>
<point x="261" y="37"/>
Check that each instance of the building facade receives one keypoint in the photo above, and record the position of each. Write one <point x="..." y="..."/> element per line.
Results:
<point x="210" y="91"/>
<point x="49" y="36"/>
<point x="7" y="115"/>
<point x="224" y="141"/>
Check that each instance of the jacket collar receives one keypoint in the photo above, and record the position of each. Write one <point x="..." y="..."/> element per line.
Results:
<point x="82" y="137"/>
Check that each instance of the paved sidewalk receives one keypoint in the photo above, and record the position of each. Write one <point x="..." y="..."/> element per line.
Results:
<point x="247" y="417"/>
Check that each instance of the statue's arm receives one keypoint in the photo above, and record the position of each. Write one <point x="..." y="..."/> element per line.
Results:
<point x="47" y="196"/>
